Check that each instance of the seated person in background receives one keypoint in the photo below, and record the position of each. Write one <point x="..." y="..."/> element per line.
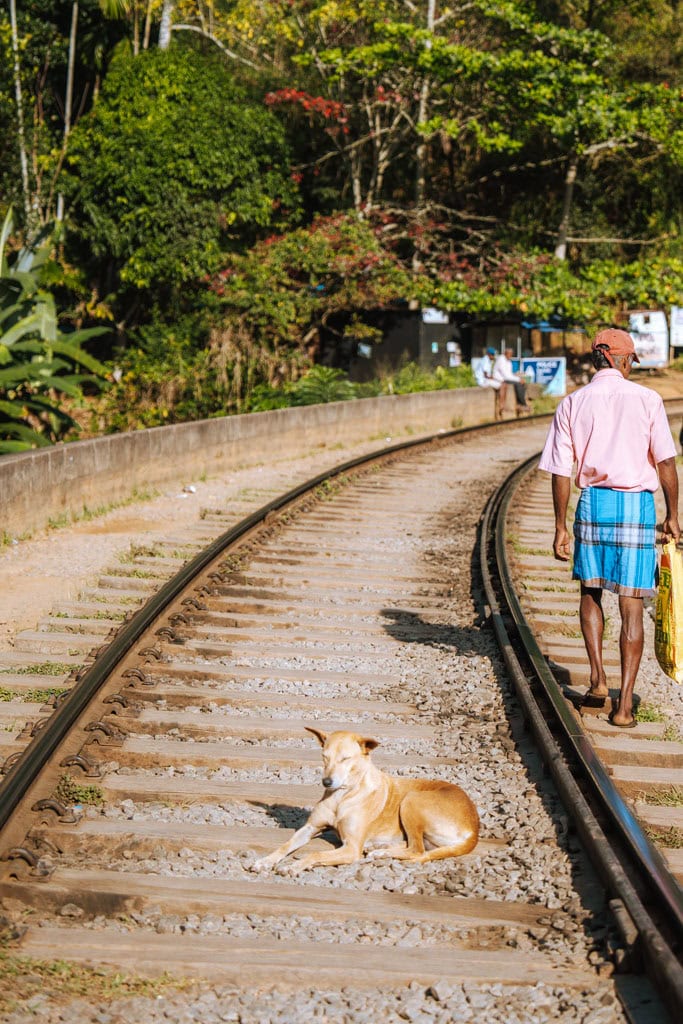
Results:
<point x="483" y="375"/>
<point x="503" y="372"/>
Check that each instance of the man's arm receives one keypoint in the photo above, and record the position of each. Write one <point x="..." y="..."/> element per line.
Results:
<point x="668" y="478"/>
<point x="562" y="486"/>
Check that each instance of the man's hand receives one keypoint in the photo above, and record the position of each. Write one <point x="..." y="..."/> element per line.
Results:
<point x="670" y="529"/>
<point x="561" y="489"/>
<point x="561" y="544"/>
<point x="668" y="478"/>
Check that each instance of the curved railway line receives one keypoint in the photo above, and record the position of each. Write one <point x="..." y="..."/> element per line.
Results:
<point x="176" y="755"/>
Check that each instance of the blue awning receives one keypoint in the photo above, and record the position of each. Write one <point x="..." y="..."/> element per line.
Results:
<point x="546" y="326"/>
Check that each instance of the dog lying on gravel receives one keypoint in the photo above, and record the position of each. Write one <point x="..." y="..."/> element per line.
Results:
<point x="418" y="819"/>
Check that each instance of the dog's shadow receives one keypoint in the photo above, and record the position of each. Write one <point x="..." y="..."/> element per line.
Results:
<point x="292" y="817"/>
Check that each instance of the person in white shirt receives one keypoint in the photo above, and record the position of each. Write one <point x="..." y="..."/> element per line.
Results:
<point x="484" y="377"/>
<point x="504" y="374"/>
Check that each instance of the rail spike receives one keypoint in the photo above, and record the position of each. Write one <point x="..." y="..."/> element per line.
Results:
<point x="118" y="702"/>
<point x="10" y="761"/>
<point x="169" y="634"/>
<point x="114" y="736"/>
<point x="178" y="618"/>
<point x="150" y="654"/>
<point x="137" y="673"/>
<point x="91" y="768"/>
<point x="21" y="861"/>
<point x="51" y="803"/>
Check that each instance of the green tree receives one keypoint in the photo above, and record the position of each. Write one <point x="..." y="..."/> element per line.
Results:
<point x="174" y="166"/>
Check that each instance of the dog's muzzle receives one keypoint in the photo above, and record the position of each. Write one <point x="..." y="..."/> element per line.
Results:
<point x="328" y="781"/>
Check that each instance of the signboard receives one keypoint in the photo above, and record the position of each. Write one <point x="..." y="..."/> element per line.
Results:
<point x="550" y="373"/>
<point x="434" y="316"/>
<point x="650" y="334"/>
<point x="677" y="326"/>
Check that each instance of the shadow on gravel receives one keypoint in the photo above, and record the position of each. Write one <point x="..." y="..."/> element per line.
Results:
<point x="285" y="815"/>
<point x="409" y="628"/>
<point x="293" y="817"/>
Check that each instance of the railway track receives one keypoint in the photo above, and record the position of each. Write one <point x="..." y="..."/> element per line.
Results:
<point x="352" y="605"/>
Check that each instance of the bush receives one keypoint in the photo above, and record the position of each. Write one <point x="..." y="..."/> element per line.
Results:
<point x="166" y="376"/>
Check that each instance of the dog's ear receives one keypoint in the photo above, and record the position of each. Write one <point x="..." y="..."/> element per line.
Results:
<point x="320" y="736"/>
<point x="366" y="744"/>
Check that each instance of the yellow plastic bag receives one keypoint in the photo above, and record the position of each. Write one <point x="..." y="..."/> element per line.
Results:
<point x="669" y="612"/>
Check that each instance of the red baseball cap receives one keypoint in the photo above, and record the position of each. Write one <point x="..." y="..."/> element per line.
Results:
<point x="617" y="343"/>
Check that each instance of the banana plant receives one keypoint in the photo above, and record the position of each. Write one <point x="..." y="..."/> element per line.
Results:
<point x="39" y="364"/>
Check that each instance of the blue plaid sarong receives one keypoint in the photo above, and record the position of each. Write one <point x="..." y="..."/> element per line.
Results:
<point x="614" y="533"/>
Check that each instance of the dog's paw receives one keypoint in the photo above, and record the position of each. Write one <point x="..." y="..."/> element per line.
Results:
<point x="376" y="853"/>
<point x="260" y="865"/>
<point x="291" y="868"/>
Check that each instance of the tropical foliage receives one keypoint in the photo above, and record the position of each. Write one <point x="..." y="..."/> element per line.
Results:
<point x="235" y="182"/>
<point x="39" y="364"/>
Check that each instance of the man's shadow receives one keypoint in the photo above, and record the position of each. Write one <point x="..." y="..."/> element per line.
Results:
<point x="410" y="628"/>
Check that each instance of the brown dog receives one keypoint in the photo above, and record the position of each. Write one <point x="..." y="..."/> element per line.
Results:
<point x="364" y="804"/>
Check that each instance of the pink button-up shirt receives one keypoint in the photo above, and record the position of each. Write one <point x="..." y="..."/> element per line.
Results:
<point x="616" y="432"/>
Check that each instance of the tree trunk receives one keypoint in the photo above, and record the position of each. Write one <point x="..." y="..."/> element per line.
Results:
<point x="563" y="231"/>
<point x="68" y="99"/>
<point x="421" y="152"/>
<point x="23" y="159"/>
<point x="148" y="26"/>
<point x="166" y="23"/>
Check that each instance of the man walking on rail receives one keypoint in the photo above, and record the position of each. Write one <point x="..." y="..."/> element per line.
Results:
<point x="618" y="435"/>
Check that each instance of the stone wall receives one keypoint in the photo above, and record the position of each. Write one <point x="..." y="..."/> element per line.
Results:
<point x="47" y="482"/>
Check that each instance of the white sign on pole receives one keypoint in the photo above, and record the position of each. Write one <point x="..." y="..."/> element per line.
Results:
<point x="650" y="334"/>
<point x="677" y="326"/>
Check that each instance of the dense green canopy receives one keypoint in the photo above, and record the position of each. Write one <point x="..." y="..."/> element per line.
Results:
<point x="224" y="186"/>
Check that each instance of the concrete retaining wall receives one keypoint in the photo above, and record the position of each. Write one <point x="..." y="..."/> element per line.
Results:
<point x="38" y="485"/>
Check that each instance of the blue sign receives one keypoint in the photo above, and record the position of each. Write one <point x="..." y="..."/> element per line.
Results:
<point x="550" y="373"/>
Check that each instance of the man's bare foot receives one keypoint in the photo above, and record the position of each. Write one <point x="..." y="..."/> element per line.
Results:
<point x="621" y="720"/>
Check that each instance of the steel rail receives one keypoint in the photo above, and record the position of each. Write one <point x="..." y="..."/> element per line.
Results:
<point x="662" y="963"/>
<point x="24" y="772"/>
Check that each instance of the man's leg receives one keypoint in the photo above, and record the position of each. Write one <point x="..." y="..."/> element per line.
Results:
<point x="592" y="622"/>
<point x="631" y="650"/>
<point x="502" y="398"/>
<point x="520" y="393"/>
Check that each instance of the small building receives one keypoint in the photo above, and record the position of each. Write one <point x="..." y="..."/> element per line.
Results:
<point x="390" y="338"/>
